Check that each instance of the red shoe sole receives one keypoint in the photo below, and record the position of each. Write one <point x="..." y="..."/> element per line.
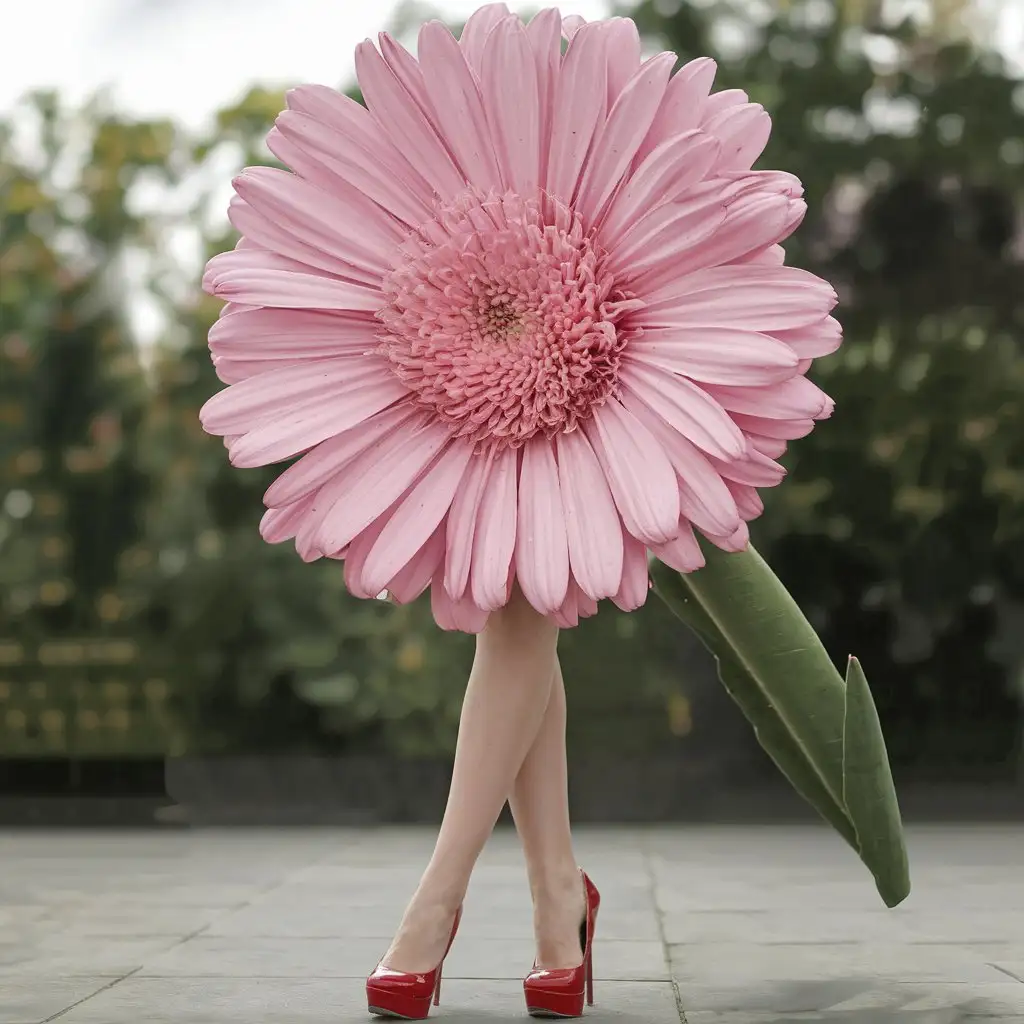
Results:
<point x="381" y="1004"/>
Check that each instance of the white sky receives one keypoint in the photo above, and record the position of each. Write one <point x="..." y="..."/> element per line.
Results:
<point x="189" y="57"/>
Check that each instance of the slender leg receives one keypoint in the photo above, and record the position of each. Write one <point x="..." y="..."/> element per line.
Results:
<point x="540" y="806"/>
<point x="505" y="702"/>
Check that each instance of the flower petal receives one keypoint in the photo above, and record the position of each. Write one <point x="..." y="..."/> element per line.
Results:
<point x="682" y="553"/>
<point x="592" y="523"/>
<point x="417" y="573"/>
<point x="513" y="112"/>
<point x="405" y="123"/>
<point x="365" y="487"/>
<point x="317" y="466"/>
<point x="449" y="614"/>
<point x="494" y="539"/>
<point x="814" y="340"/>
<point x="578" y="110"/>
<point x="669" y="171"/>
<point x="476" y="31"/>
<point x="417" y="516"/>
<point x="258" y="278"/>
<point x="717" y="355"/>
<point x="618" y="138"/>
<point x="274" y="334"/>
<point x="680" y="110"/>
<point x="757" y="298"/>
<point x="639" y="474"/>
<point x="458" y="105"/>
<point x="636" y="583"/>
<point x="542" y="551"/>
<point x="461" y="528"/>
<point x="688" y="408"/>
<point x="797" y="398"/>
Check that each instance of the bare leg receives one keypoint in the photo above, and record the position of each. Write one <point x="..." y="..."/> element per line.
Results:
<point x="505" y="703"/>
<point x="540" y="806"/>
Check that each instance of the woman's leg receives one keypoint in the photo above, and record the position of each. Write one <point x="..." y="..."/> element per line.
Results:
<point x="505" y="702"/>
<point x="540" y="806"/>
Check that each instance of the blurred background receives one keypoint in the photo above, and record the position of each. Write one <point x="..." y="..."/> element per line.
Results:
<point x="154" y="649"/>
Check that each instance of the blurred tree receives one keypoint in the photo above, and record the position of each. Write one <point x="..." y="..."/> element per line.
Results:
<point x="901" y="528"/>
<point x="72" y="395"/>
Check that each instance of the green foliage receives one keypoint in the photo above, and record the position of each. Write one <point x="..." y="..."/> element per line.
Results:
<point x="901" y="527"/>
<point x="899" y="530"/>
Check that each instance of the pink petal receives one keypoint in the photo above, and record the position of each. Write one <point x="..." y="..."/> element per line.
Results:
<point x="364" y="488"/>
<point x="704" y="497"/>
<point x="407" y="127"/>
<point x="571" y="24"/>
<point x="819" y="339"/>
<point x="744" y="131"/>
<point x="475" y="33"/>
<point x="278" y="437"/>
<point x="342" y="223"/>
<point x="755" y="469"/>
<point x="545" y="34"/>
<point x="568" y="616"/>
<point x="591" y="521"/>
<point x="617" y="141"/>
<point x="797" y="398"/>
<point x="266" y="234"/>
<point x="666" y="238"/>
<point x="735" y="542"/>
<point x="462" y="524"/>
<point x="756" y="298"/>
<point x="259" y="278"/>
<point x="771" y="427"/>
<point x="669" y="171"/>
<point x="770" y="447"/>
<point x="513" y="113"/>
<point x="321" y="153"/>
<point x="346" y="131"/>
<point x="721" y="101"/>
<point x="359" y="550"/>
<point x="579" y="107"/>
<point x="281" y="524"/>
<point x="417" y="573"/>
<point x="638" y="471"/>
<point x="752" y="223"/>
<point x="449" y="614"/>
<point x="623" y="50"/>
<point x="494" y="540"/>
<point x="748" y="501"/>
<point x="632" y="594"/>
<point x="682" y="553"/>
<point x="717" y="355"/>
<point x="275" y="334"/>
<point x="316" y="467"/>
<point x="542" y="552"/>
<point x="458" y="105"/>
<point x="680" y="110"/>
<point x="417" y="516"/>
<point x="251" y="402"/>
<point x="688" y="408"/>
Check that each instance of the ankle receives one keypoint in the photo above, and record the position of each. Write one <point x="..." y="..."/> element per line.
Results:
<point x="558" y="885"/>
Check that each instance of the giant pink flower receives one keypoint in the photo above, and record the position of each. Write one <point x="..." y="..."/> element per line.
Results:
<point x="523" y="315"/>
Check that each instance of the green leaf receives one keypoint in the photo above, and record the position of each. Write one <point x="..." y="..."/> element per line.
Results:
<point x="821" y="732"/>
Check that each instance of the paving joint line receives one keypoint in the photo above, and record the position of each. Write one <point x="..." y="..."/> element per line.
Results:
<point x="1008" y="973"/>
<point x="662" y="937"/>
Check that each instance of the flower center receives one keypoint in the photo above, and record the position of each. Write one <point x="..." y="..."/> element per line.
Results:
<point x="501" y="317"/>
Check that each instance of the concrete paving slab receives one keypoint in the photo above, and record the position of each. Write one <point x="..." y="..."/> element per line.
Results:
<point x="754" y="926"/>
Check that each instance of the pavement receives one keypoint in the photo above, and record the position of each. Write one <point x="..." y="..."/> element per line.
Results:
<point x="704" y="925"/>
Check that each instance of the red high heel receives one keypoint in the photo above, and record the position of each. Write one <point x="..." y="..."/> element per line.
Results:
<point x="406" y="996"/>
<point x="560" y="993"/>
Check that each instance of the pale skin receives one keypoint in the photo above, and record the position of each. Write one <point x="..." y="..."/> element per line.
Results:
<point x="511" y="747"/>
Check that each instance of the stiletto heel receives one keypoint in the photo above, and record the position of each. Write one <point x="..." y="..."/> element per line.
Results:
<point x="561" y="992"/>
<point x="407" y="996"/>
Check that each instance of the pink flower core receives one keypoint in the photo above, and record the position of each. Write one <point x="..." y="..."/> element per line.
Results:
<point x="501" y="317"/>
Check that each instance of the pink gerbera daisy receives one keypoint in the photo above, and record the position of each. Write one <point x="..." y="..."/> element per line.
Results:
<point x="524" y="316"/>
